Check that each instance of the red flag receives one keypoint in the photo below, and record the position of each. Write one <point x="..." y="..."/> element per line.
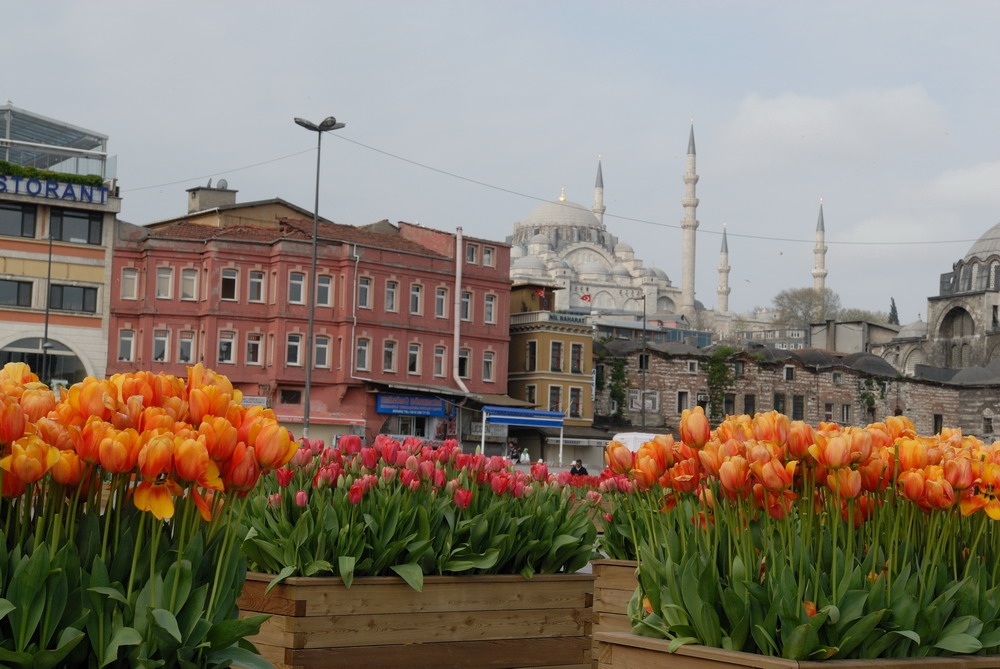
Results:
<point x="540" y="292"/>
<point x="585" y="297"/>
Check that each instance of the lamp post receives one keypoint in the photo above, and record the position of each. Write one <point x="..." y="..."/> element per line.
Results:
<point x="645" y="363"/>
<point x="43" y="372"/>
<point x="329" y="123"/>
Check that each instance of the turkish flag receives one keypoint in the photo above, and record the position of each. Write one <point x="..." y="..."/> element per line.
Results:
<point x="585" y="297"/>
<point x="540" y="292"/>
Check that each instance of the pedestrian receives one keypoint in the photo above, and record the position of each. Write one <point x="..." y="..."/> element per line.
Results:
<point x="578" y="469"/>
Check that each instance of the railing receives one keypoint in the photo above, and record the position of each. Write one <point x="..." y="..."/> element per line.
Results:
<point x="546" y="316"/>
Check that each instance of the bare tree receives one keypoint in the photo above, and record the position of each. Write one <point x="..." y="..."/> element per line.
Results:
<point x="798" y="307"/>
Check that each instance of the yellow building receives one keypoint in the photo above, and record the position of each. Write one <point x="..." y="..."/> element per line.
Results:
<point x="57" y="226"/>
<point x="552" y="367"/>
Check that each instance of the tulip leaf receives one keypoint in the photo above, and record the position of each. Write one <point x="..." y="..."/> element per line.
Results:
<point x="990" y="639"/>
<point x="959" y="643"/>
<point x="282" y="575"/>
<point x="110" y="592"/>
<point x="68" y="640"/>
<point x="227" y="632"/>
<point x="123" y="636"/>
<point x="858" y="632"/>
<point x="166" y="621"/>
<point x="345" y="567"/>
<point x="238" y="657"/>
<point x="16" y="659"/>
<point x="412" y="574"/>
<point x="5" y="607"/>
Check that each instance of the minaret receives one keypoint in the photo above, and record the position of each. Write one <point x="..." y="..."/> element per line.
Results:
<point x="723" y="290"/>
<point x="819" y="253"/>
<point x="599" y="194"/>
<point x="689" y="225"/>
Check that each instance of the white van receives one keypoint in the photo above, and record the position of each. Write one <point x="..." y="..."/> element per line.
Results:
<point x="634" y="439"/>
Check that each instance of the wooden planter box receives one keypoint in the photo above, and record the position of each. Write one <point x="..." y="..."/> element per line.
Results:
<point x="625" y="651"/>
<point x="614" y="585"/>
<point x="501" y="622"/>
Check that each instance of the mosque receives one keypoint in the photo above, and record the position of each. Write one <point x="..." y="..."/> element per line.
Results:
<point x="565" y="245"/>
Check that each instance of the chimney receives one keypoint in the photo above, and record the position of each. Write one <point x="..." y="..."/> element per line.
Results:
<point x="201" y="198"/>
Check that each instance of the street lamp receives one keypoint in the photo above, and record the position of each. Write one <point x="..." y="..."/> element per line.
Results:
<point x="329" y="123"/>
<point x="46" y="344"/>
<point x="642" y="367"/>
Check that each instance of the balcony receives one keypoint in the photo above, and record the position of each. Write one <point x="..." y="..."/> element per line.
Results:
<point x="531" y="317"/>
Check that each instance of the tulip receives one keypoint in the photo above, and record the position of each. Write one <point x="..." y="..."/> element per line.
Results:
<point x="157" y="497"/>
<point x="734" y="475"/>
<point x="463" y="498"/>
<point x="192" y="463"/>
<point x="30" y="458"/>
<point x="355" y="493"/>
<point x="349" y="443"/>
<point x="846" y="483"/>
<point x="273" y="445"/>
<point x="694" y="428"/>
<point x="618" y="456"/>
<point x="301" y="498"/>
<point x="68" y="469"/>
<point x="831" y="452"/>
<point x="156" y="455"/>
<point x="241" y="472"/>
<point x="220" y="437"/>
<point x="37" y="401"/>
<point x="12" y="421"/>
<point x="774" y="475"/>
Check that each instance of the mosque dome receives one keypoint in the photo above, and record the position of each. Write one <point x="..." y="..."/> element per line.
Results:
<point x="987" y="245"/>
<point x="529" y="263"/>
<point x="516" y="252"/>
<point x="660" y="274"/>
<point x="624" y="247"/>
<point x="539" y="239"/>
<point x="915" y="330"/>
<point x="592" y="267"/>
<point x="561" y="213"/>
<point x="620" y="270"/>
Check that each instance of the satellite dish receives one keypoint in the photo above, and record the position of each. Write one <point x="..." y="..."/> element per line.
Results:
<point x="223" y="184"/>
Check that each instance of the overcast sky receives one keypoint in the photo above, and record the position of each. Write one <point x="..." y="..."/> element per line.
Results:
<point x="472" y="113"/>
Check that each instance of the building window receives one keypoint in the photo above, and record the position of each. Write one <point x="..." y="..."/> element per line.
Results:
<point x="164" y="282"/>
<point x="253" y="348"/>
<point x="575" y="403"/>
<point x="323" y="291"/>
<point x="17" y="220"/>
<point x="490" y="309"/>
<point x="471" y="253"/>
<point x="838" y="378"/>
<point x="440" y="357"/>
<point x="749" y="404"/>
<point x="779" y="402"/>
<point x="466" y="313"/>
<point x="739" y="368"/>
<point x="296" y="280"/>
<point x="81" y="227"/>
<point x="227" y="291"/>
<point x="555" y="398"/>
<point x="15" y="293"/>
<point x="413" y="359"/>
<point x="576" y="358"/>
<point x="227" y="347"/>
<point x="789" y="373"/>
<point x="489" y="358"/>
<point x="556" y="357"/>
<point x="644" y="362"/>
<point x="189" y="284"/>
<point x="388" y="356"/>
<point x="416" y="299"/>
<point x="798" y="407"/>
<point x="391" y="294"/>
<point x="441" y="303"/>
<point x="531" y="395"/>
<point x="361" y="361"/>
<point x="682" y="400"/>
<point x="531" y="356"/>
<point x="364" y="292"/>
<point x="487" y="256"/>
<point x="729" y="404"/>
<point x="255" y="291"/>
<point x="161" y="345"/>
<point x="464" y="356"/>
<point x="692" y="366"/>
<point x="293" y="350"/>
<point x="321" y="352"/>
<point x="73" y="298"/>
<point x="126" y="345"/>
<point x="130" y="283"/>
<point x="652" y="400"/>
<point x="845" y="414"/>
<point x="290" y="396"/>
<point x="828" y="411"/>
<point x="185" y="347"/>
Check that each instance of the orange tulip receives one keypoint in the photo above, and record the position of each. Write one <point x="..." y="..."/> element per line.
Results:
<point x="29" y="458"/>
<point x="684" y="476"/>
<point x="911" y="484"/>
<point x="831" y="452"/>
<point x="11" y="486"/>
<point x="861" y="444"/>
<point x="37" y="400"/>
<point x="157" y="497"/>
<point x="156" y="454"/>
<point x="92" y="397"/>
<point x="913" y="454"/>
<point x="695" y="429"/>
<point x="208" y="401"/>
<point x="220" y="437"/>
<point x="646" y="471"/>
<point x="734" y="474"/>
<point x="771" y="426"/>
<point x="18" y="372"/>
<point x="619" y="457"/>
<point x="58" y="435"/>
<point x="959" y="472"/>
<point x="12" y="421"/>
<point x="774" y="475"/>
<point x="899" y="426"/>
<point x="192" y="463"/>
<point x="846" y="483"/>
<point x="240" y="473"/>
<point x="800" y="438"/>
<point x="68" y="469"/>
<point x="273" y="445"/>
<point x="118" y="450"/>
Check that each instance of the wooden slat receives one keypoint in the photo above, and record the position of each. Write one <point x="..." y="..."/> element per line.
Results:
<point x="368" y="630"/>
<point x="614" y="575"/>
<point x="391" y="596"/>
<point x="611" y="622"/>
<point x="612" y="601"/>
<point x="549" y="653"/>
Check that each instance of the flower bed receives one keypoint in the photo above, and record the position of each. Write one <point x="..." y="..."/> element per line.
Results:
<point x="119" y="519"/>
<point x="455" y="621"/>
<point x="776" y="538"/>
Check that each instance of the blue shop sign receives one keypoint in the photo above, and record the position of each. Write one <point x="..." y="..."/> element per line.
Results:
<point x="53" y="190"/>
<point x="410" y="405"/>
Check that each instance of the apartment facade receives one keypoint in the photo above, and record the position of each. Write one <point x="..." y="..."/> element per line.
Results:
<point x="410" y="324"/>
<point x="57" y="218"/>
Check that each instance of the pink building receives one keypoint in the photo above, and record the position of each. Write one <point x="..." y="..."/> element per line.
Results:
<point x="411" y="324"/>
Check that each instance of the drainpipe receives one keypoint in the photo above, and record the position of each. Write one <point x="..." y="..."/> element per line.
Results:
<point x="457" y="311"/>
<point x="354" y="320"/>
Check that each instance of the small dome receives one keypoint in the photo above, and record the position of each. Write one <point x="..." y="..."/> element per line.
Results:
<point x="592" y="267"/>
<point x="975" y="376"/>
<point x="539" y="239"/>
<point x="987" y="245"/>
<point x="516" y="252"/>
<point x="528" y="263"/>
<point x="869" y="363"/>
<point x="620" y="270"/>
<point x="660" y="274"/>
<point x="915" y="330"/>
<point x="815" y="357"/>
<point x="624" y="247"/>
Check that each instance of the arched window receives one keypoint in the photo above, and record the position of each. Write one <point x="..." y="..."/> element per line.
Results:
<point x="55" y="363"/>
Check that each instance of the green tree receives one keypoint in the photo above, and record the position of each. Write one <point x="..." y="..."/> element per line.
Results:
<point x="798" y="307"/>
<point x="616" y="389"/>
<point x="893" y="313"/>
<point x="719" y="377"/>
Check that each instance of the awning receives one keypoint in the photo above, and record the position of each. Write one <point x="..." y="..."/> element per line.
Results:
<point x="500" y="400"/>
<point x="523" y="418"/>
<point x="322" y="419"/>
